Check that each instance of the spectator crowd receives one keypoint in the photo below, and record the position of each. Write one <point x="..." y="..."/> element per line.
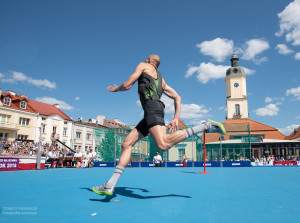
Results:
<point x="269" y="161"/>
<point x="56" y="156"/>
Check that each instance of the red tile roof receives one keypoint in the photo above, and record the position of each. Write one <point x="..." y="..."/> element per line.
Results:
<point x="295" y="134"/>
<point x="47" y="110"/>
<point x="182" y="125"/>
<point x="240" y="126"/>
<point x="33" y="106"/>
<point x="15" y="102"/>
<point x="90" y="124"/>
<point x="112" y="124"/>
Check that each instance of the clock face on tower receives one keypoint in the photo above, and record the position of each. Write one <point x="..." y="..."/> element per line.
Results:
<point x="236" y="84"/>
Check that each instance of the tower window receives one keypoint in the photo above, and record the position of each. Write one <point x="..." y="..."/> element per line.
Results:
<point x="237" y="109"/>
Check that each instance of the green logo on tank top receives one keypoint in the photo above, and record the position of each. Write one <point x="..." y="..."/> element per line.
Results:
<point x="152" y="92"/>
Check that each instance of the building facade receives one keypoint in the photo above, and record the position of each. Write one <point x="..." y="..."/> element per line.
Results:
<point x="28" y="120"/>
<point x="246" y="137"/>
<point x="18" y="120"/>
<point x="236" y="92"/>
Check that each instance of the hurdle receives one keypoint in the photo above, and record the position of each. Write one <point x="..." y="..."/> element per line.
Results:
<point x="204" y="155"/>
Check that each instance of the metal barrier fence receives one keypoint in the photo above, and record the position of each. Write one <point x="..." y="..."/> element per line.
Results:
<point x="108" y="148"/>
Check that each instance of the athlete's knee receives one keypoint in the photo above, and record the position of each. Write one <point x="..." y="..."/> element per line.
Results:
<point x="126" y="144"/>
<point x="162" y="146"/>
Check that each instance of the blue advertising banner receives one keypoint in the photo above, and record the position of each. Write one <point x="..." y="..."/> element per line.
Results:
<point x="236" y="163"/>
<point x="177" y="164"/>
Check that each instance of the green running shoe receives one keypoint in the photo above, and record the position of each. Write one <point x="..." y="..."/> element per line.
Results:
<point x="104" y="190"/>
<point x="215" y="127"/>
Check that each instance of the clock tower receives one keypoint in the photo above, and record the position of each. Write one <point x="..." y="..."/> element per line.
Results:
<point x="237" y="101"/>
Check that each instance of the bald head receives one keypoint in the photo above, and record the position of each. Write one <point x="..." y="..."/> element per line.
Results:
<point x="154" y="59"/>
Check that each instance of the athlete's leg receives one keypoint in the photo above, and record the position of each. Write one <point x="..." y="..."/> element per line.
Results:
<point x="164" y="142"/>
<point x="133" y="137"/>
<point x="109" y="187"/>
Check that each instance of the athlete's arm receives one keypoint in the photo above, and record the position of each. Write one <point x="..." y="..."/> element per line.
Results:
<point x="131" y="80"/>
<point x="171" y="93"/>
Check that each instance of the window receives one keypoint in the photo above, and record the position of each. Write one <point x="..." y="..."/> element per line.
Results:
<point x="4" y="118"/>
<point x="43" y="118"/>
<point x="75" y="147"/>
<point x="22" y="136"/>
<point x="7" y="101"/>
<point x="180" y="152"/>
<point x="78" y="135"/>
<point x="54" y="129"/>
<point x="65" y="123"/>
<point x="23" y="105"/>
<point x="88" y="136"/>
<point x="43" y="128"/>
<point x="65" y="131"/>
<point x="3" y="136"/>
<point x="237" y="109"/>
<point x="24" y="121"/>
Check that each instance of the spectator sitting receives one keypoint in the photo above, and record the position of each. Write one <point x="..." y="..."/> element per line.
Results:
<point x="69" y="158"/>
<point x="88" y="159"/>
<point x="53" y="157"/>
<point x="77" y="157"/>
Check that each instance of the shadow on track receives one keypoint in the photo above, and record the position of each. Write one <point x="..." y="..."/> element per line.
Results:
<point x="129" y="192"/>
<point x="189" y="172"/>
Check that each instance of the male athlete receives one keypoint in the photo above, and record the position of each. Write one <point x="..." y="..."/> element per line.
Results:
<point x="151" y="85"/>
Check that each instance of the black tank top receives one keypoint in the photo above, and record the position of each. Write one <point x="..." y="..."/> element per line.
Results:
<point x="150" y="88"/>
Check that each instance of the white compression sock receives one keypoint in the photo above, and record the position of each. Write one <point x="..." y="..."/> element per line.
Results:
<point x="196" y="129"/>
<point x="116" y="175"/>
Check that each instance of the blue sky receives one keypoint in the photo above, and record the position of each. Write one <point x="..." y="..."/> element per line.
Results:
<point x="69" y="51"/>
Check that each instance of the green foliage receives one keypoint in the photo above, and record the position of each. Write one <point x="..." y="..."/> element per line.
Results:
<point x="105" y="143"/>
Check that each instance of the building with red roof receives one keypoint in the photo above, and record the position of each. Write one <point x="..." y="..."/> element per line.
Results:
<point x="295" y="135"/>
<point x="244" y="133"/>
<point x="26" y="119"/>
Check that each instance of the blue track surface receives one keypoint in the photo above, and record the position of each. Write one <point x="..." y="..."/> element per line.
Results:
<point x="153" y="194"/>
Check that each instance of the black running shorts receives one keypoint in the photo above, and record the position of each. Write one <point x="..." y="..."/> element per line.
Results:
<point x="153" y="115"/>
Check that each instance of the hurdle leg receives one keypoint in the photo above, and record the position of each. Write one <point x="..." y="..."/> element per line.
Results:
<point x="204" y="155"/>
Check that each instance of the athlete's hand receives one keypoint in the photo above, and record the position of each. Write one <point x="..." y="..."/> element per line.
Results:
<point x="113" y="88"/>
<point x="173" y="126"/>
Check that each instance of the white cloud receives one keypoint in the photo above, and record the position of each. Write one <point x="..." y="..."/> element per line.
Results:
<point x="269" y="110"/>
<point x="191" y="70"/>
<point x="274" y="99"/>
<point x="294" y="91"/>
<point x="16" y="77"/>
<point x="289" y="21"/>
<point x="289" y="129"/>
<point x="197" y="121"/>
<point x="218" y="48"/>
<point x="48" y="100"/>
<point x="283" y="49"/>
<point x="188" y="111"/>
<point x="255" y="47"/>
<point x="297" y="56"/>
<point x="42" y="83"/>
<point x="77" y="98"/>
<point x="208" y="72"/>
<point x="268" y="99"/>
